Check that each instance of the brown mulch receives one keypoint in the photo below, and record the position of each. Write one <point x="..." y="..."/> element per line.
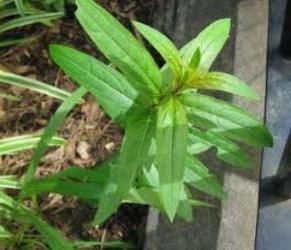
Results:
<point x="91" y="136"/>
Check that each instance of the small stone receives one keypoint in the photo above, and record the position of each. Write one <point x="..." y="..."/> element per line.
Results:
<point x="83" y="150"/>
<point x="110" y="146"/>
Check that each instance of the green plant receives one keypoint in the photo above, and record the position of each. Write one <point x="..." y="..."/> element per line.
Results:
<point x="18" y="225"/>
<point x="167" y="122"/>
<point x="19" y="13"/>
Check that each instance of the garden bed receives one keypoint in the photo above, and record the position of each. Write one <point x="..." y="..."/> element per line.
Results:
<point x="92" y="136"/>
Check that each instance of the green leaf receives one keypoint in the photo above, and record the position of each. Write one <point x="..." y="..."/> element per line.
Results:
<point x="3" y="3"/>
<point x="111" y="89"/>
<point x="108" y="244"/>
<point x="25" y="40"/>
<point x="51" y="236"/>
<point x="226" y="150"/>
<point x="73" y="181"/>
<point x="31" y="19"/>
<point x="82" y="190"/>
<point x="145" y="196"/>
<point x="32" y="84"/>
<point x="221" y="81"/>
<point x="185" y="210"/>
<point x="230" y="120"/>
<point x="195" y="60"/>
<point x="197" y="175"/>
<point x="98" y="174"/>
<point x="164" y="46"/>
<point x="210" y="42"/>
<point x="133" y="157"/>
<point x="51" y="129"/>
<point x="15" y="144"/>
<point x="9" y="181"/>
<point x="20" y="7"/>
<point x="198" y="148"/>
<point x="120" y="47"/>
<point x="4" y="234"/>
<point x="172" y="132"/>
<point x="8" y="12"/>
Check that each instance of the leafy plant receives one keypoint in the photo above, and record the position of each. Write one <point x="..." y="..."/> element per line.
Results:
<point x="19" y="13"/>
<point x="19" y="223"/>
<point x="167" y="122"/>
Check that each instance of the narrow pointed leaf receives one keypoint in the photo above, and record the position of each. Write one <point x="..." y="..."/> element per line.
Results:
<point x="115" y="244"/>
<point x="195" y="60"/>
<point x="133" y="157"/>
<point x="51" y="129"/>
<point x="31" y="19"/>
<point x="24" y="82"/>
<point x="226" y="150"/>
<point x="22" y="40"/>
<point x="111" y="89"/>
<point x="172" y="132"/>
<point x="221" y="81"/>
<point x="210" y="42"/>
<point x="120" y="47"/>
<point x="198" y="176"/>
<point x="82" y="190"/>
<point x="15" y="144"/>
<point x="230" y="120"/>
<point x="163" y="45"/>
<point x="185" y="210"/>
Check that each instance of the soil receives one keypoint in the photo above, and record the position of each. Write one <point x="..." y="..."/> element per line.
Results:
<point x="91" y="136"/>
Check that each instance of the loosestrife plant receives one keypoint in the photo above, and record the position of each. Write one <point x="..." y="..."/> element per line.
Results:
<point x="167" y="121"/>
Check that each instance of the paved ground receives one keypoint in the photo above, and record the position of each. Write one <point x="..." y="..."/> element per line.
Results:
<point x="275" y="221"/>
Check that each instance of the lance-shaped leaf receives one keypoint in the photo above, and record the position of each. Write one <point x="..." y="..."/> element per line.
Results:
<point x="31" y="19"/>
<point x="15" y="144"/>
<point x="171" y="136"/>
<point x="221" y="81"/>
<point x="210" y="42"/>
<point x="133" y="157"/>
<point x="32" y="84"/>
<point x="230" y="120"/>
<point x="86" y="184"/>
<point x="120" y="47"/>
<point x="51" y="129"/>
<point x="164" y="46"/>
<point x="82" y="190"/>
<point x="195" y="60"/>
<point x="111" y="89"/>
<point x="198" y="176"/>
<point x="226" y="150"/>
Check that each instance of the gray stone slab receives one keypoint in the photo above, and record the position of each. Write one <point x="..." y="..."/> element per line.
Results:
<point x="274" y="221"/>
<point x="239" y="211"/>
